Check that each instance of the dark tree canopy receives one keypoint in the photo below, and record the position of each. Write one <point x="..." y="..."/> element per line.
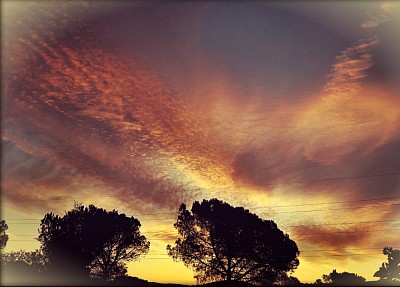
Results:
<point x="390" y="271"/>
<point x="91" y="240"/>
<point x="3" y="235"/>
<point x="35" y="259"/>
<point x="343" y="279"/>
<point x="285" y="280"/>
<point x="221" y="242"/>
<point x="23" y="268"/>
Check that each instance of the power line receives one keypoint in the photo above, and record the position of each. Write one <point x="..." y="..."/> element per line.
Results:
<point x="332" y="232"/>
<point x="257" y="207"/>
<point x="344" y="223"/>
<point x="328" y="209"/>
<point x="324" y="179"/>
<point x="62" y="198"/>
<point x="156" y="258"/>
<point x="26" y="240"/>
<point x="273" y="212"/>
<point x="316" y="250"/>
<point x="239" y="185"/>
<point x="346" y="249"/>
<point x="339" y="223"/>
<point x="340" y="255"/>
<point x="358" y="231"/>
<point x="334" y="202"/>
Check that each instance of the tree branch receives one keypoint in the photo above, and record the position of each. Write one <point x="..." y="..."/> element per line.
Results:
<point x="249" y="270"/>
<point x="206" y="264"/>
<point x="215" y="252"/>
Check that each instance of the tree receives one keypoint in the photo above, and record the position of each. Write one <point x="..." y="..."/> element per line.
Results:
<point x="24" y="268"/>
<point x="390" y="271"/>
<point x="36" y="259"/>
<point x="221" y="242"/>
<point x="342" y="279"/>
<point x="3" y="235"/>
<point x="91" y="241"/>
<point x="285" y="280"/>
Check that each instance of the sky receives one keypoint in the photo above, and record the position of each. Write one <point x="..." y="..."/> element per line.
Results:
<point x="290" y="109"/>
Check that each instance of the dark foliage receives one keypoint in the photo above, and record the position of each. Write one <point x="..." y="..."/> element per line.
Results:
<point x="3" y="235"/>
<point x="342" y="279"/>
<point x="390" y="271"/>
<point x="35" y="259"/>
<point x="20" y="273"/>
<point x="285" y="280"/>
<point x="90" y="241"/>
<point x="225" y="243"/>
<point x="129" y="281"/>
<point x="231" y="283"/>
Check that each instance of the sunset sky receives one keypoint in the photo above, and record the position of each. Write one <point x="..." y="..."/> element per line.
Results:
<point x="290" y="109"/>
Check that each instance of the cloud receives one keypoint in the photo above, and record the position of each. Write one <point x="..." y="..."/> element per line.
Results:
<point x="80" y="121"/>
<point x="83" y="110"/>
<point x="164" y="235"/>
<point x="350" y="69"/>
<point x="347" y="130"/>
<point x="349" y="111"/>
<point x="326" y="237"/>
<point x="385" y="11"/>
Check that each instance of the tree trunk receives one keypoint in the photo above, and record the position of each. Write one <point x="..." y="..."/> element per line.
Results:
<point x="228" y="271"/>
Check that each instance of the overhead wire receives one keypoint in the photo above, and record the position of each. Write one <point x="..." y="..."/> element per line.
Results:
<point x="260" y="207"/>
<point x="61" y="198"/>
<point x="300" y="234"/>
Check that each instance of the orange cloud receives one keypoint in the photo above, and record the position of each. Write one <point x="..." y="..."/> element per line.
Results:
<point x="349" y="114"/>
<point x="325" y="237"/>
<point x="106" y="118"/>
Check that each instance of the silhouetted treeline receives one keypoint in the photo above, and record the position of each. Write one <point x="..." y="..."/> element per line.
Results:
<point x="224" y="245"/>
<point x="3" y="235"/>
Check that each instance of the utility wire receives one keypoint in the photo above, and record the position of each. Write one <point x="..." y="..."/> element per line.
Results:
<point x="316" y="250"/>
<point x="258" y="207"/>
<point x="334" y="202"/>
<point x="346" y="249"/>
<point x="301" y="234"/>
<point x="283" y="226"/>
<point x="239" y="185"/>
<point x="324" y="179"/>
<point x="340" y="255"/>
<point x="344" y="223"/>
<point x="358" y="231"/>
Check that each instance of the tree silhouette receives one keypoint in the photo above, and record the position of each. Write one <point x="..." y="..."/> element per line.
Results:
<point x="285" y="280"/>
<point x="390" y="271"/>
<point x="342" y="279"/>
<point x="3" y="235"/>
<point x="91" y="240"/>
<point x="24" y="268"/>
<point x="35" y="258"/>
<point x="221" y="242"/>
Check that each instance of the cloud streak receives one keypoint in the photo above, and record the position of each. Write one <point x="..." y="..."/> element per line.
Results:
<point x="106" y="118"/>
<point x="385" y="12"/>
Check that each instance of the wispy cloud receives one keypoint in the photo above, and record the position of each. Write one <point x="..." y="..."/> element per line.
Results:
<point x="384" y="14"/>
<point x="347" y="111"/>
<point x="325" y="237"/>
<point x="107" y="118"/>
<point x="350" y="69"/>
